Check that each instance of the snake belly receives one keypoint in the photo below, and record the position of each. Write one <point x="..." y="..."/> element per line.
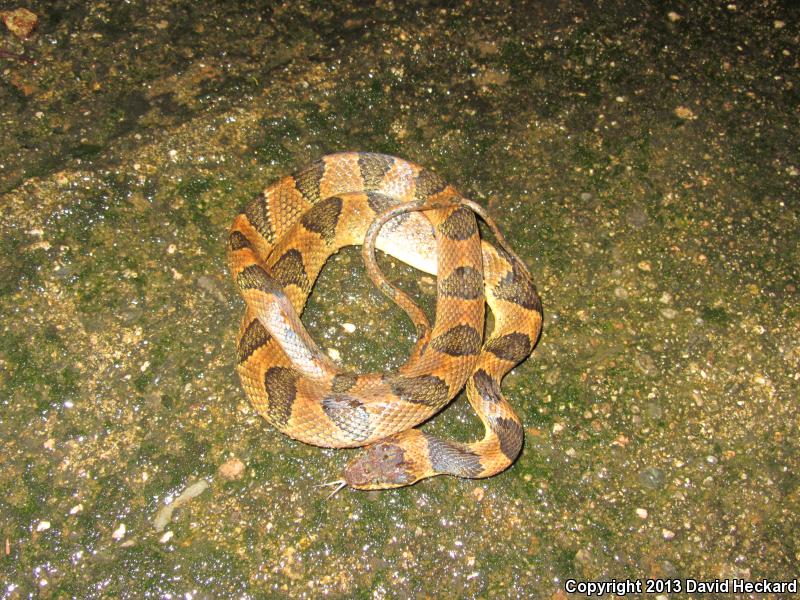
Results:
<point x="276" y="249"/>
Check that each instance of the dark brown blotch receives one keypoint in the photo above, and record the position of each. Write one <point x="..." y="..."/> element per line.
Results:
<point x="308" y="181"/>
<point x="349" y="415"/>
<point x="257" y="213"/>
<point x="452" y="458"/>
<point x="461" y="340"/>
<point x="280" y="384"/>
<point x="290" y="270"/>
<point x="323" y="218"/>
<point x="513" y="347"/>
<point x="464" y="282"/>
<point x="428" y="390"/>
<point x="486" y="386"/>
<point x="343" y="382"/>
<point x="510" y="435"/>
<point x="460" y="225"/>
<point x="253" y="277"/>
<point x="517" y="288"/>
<point x="380" y="202"/>
<point x="428" y="184"/>
<point x="237" y="240"/>
<point x="254" y="336"/>
<point x="373" y="169"/>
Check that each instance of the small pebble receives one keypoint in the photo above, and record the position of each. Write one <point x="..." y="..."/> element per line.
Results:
<point x="76" y="509"/>
<point x="334" y="354"/>
<point x="348" y="327"/>
<point x="669" y="313"/>
<point x="641" y="513"/>
<point x="231" y="470"/>
<point x="557" y="427"/>
<point x="166" y="537"/>
<point x="673" y="16"/>
<point x="43" y="526"/>
<point x="667" y="534"/>
<point x="644" y="266"/>
<point x="651" y="478"/>
<point x="21" y="22"/>
<point x="119" y="532"/>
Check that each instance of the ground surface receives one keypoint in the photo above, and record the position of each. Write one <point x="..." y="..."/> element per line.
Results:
<point x="641" y="157"/>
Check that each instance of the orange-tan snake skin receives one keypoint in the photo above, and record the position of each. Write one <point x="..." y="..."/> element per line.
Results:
<point x="277" y="247"/>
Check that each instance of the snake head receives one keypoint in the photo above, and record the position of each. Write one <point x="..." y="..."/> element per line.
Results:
<point x="380" y="466"/>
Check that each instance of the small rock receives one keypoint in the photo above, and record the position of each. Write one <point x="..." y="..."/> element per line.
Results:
<point x="645" y="364"/>
<point x="673" y="16"/>
<point x="637" y="216"/>
<point x="644" y="266"/>
<point x="211" y="287"/>
<point x="119" y="532"/>
<point x="20" y="22"/>
<point x="653" y="410"/>
<point x="43" y="526"/>
<point x="669" y="313"/>
<point x="641" y="513"/>
<point x="348" y="327"/>
<point x="231" y="470"/>
<point x="685" y="113"/>
<point x="552" y="376"/>
<point x="166" y="537"/>
<point x="334" y="354"/>
<point x="76" y="509"/>
<point x="651" y="478"/>
<point x="667" y="534"/>
<point x="621" y="293"/>
<point x="478" y="493"/>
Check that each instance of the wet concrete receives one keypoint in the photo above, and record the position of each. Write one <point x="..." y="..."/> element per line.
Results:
<point x="642" y="159"/>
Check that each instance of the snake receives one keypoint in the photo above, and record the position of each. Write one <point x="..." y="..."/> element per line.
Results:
<point x="277" y="246"/>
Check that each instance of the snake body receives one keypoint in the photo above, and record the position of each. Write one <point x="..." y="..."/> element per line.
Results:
<point x="276" y="249"/>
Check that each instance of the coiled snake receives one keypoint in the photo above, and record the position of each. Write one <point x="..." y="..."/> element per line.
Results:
<point x="277" y="247"/>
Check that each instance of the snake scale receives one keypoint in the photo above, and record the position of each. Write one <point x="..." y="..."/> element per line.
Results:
<point x="276" y="249"/>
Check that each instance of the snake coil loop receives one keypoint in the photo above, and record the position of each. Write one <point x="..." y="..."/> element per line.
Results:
<point x="276" y="249"/>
